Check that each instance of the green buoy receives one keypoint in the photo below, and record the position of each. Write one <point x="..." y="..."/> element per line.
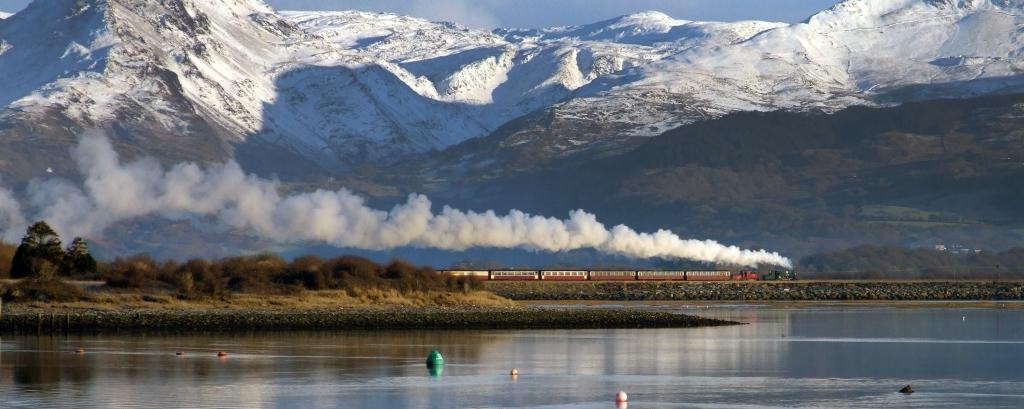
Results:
<point x="435" y="359"/>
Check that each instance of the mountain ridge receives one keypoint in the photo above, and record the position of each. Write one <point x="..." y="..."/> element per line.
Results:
<point x="337" y="91"/>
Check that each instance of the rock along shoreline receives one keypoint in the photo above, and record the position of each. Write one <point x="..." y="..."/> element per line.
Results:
<point x="760" y="291"/>
<point x="74" y="321"/>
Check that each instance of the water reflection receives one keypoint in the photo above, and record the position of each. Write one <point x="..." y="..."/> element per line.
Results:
<point x="51" y="364"/>
<point x="823" y="357"/>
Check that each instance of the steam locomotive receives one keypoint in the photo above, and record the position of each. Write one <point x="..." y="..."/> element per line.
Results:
<point x="623" y="275"/>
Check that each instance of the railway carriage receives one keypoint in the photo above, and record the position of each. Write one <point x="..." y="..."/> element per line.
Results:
<point x="515" y="275"/>
<point x="623" y="275"/>
<point x="563" y="275"/>
<point x="709" y="275"/>
<point x="661" y="275"/>
<point x="609" y="275"/>
<point x="745" y="276"/>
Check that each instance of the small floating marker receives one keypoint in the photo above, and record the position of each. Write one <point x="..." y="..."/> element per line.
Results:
<point x="963" y="318"/>
<point x="179" y="353"/>
<point x="435" y="358"/>
<point x="514" y="372"/>
<point x="222" y="354"/>
<point x="907" y="390"/>
<point x="621" y="397"/>
<point x="80" y="351"/>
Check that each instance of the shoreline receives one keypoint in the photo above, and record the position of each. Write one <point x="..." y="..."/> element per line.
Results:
<point x="779" y="291"/>
<point x="1009" y="304"/>
<point x="17" y="321"/>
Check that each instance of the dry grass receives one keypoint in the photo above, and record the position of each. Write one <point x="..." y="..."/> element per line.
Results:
<point x="101" y="299"/>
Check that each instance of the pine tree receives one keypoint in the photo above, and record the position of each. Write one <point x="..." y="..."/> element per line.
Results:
<point x="39" y="253"/>
<point x="77" y="260"/>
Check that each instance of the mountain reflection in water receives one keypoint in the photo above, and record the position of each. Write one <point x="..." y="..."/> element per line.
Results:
<point x="786" y="357"/>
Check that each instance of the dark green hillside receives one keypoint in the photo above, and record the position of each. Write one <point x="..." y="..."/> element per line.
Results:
<point x="938" y="171"/>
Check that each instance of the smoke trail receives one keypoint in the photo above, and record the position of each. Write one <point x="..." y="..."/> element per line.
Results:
<point x="113" y="191"/>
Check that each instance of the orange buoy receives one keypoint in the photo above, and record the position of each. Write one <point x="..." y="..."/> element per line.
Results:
<point x="222" y="354"/>
<point x="80" y="351"/>
<point x="514" y="372"/>
<point x="621" y="397"/>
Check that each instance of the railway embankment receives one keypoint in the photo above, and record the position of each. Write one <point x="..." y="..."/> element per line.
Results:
<point x="75" y="320"/>
<point x="760" y="291"/>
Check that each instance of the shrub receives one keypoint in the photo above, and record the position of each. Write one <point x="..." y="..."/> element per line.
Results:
<point x="252" y="274"/>
<point x="44" y="289"/>
<point x="140" y="272"/>
<point x="269" y="274"/>
<point x="303" y="272"/>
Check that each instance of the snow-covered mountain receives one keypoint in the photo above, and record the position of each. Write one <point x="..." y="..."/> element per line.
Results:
<point x="858" y="52"/>
<point x="4" y="14"/>
<point x="215" y="78"/>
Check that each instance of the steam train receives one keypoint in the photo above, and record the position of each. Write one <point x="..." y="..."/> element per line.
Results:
<point x="623" y="275"/>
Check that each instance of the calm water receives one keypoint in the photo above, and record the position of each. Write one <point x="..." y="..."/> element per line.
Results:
<point x="824" y="357"/>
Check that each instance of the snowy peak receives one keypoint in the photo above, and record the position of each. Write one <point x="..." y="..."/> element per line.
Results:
<point x="57" y="39"/>
<point x="390" y="36"/>
<point x="4" y="15"/>
<point x="644" y="28"/>
<point x="852" y="14"/>
<point x="90" y="57"/>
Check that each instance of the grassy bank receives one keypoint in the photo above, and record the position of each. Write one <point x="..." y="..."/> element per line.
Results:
<point x="77" y="320"/>
<point x="97" y="296"/>
<point x="96" y="307"/>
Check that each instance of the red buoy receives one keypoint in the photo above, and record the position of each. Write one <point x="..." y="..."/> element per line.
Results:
<point x="621" y="397"/>
<point x="222" y="354"/>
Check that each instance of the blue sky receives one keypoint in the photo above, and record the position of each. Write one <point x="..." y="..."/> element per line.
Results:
<point x="545" y="13"/>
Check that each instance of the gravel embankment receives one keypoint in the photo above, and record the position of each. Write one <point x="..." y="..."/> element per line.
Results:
<point x="27" y="321"/>
<point x="760" y="291"/>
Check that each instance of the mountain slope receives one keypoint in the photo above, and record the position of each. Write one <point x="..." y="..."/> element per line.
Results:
<point x="177" y="79"/>
<point x="859" y="52"/>
<point x="309" y="94"/>
<point x="335" y="89"/>
<point x="936" y="171"/>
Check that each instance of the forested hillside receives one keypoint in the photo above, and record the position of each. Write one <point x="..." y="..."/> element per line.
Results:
<point x="945" y="171"/>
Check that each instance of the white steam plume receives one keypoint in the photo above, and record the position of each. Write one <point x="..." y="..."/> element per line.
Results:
<point x="114" y="191"/>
